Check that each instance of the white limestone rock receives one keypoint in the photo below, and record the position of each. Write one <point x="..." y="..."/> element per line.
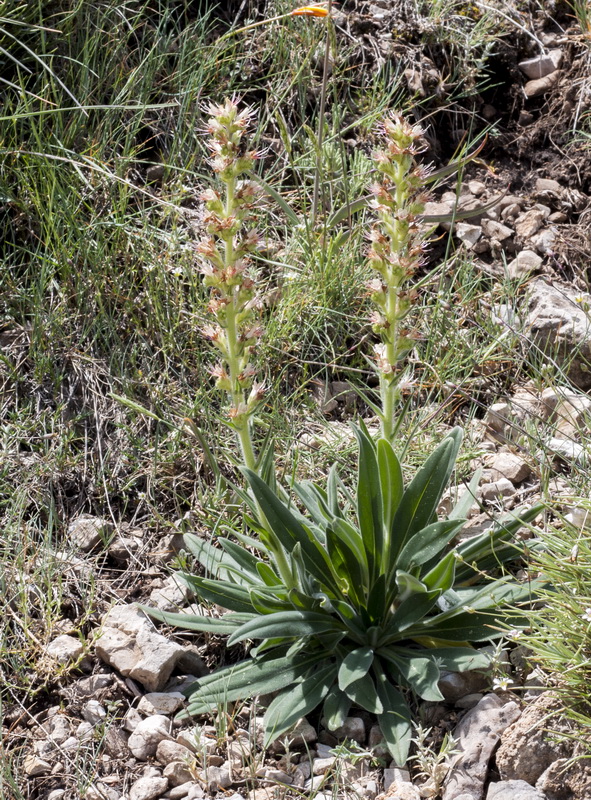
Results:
<point x="161" y="703"/>
<point x="540" y="66"/>
<point x="524" y="262"/>
<point x="88" y="533"/>
<point x="130" y="644"/>
<point x="148" y="788"/>
<point x="476" y="736"/>
<point x="94" y="712"/>
<point x="145" y="739"/>
<point x="508" y="465"/>
<point x="178" y="773"/>
<point x="501" y="488"/>
<point x="168" y="751"/>
<point x="65" y="649"/>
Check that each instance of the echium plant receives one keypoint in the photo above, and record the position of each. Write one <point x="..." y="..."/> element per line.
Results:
<point x="225" y="266"/>
<point x="355" y="598"/>
<point x="396" y="252"/>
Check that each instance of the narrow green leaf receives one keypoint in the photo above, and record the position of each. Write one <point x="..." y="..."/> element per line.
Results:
<point x="267" y="574"/>
<point x="137" y="407"/>
<point x="461" y="627"/>
<point x="408" y="585"/>
<point x="395" y="720"/>
<point x="455" y="165"/>
<point x="289" y="531"/>
<point x="283" y="205"/>
<point x="346" y="566"/>
<point x="392" y="485"/>
<point x="222" y="593"/>
<point x="377" y="603"/>
<point x="350" y="618"/>
<point x="351" y="537"/>
<point x="408" y="613"/>
<point x="211" y="558"/>
<point x="345" y="212"/>
<point x="457" y="214"/>
<point x="427" y="543"/>
<point x="442" y="575"/>
<point x="363" y="692"/>
<point x="287" y="624"/>
<point x="246" y="561"/>
<point x="336" y="708"/>
<point x="495" y="544"/>
<point x="460" y="659"/>
<point x="422" y="495"/>
<point x="355" y="666"/>
<point x="369" y="502"/>
<point x="466" y="501"/>
<point x="195" y="622"/>
<point x="421" y="674"/>
<point x="314" y="501"/>
<point x="332" y="492"/>
<point x="290" y="706"/>
<point x="267" y="602"/>
<point x="255" y="676"/>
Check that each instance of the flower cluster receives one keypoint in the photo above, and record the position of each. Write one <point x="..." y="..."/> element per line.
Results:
<point x="396" y="250"/>
<point x="225" y="264"/>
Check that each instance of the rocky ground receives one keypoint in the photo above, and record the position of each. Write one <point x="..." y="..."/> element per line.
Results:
<point x="104" y="726"/>
<point x="120" y="715"/>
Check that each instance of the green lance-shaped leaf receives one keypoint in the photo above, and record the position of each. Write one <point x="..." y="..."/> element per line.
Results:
<point x="287" y="624"/>
<point x="423" y="494"/>
<point x="408" y="585"/>
<point x="369" y="503"/>
<point x="466" y="501"/>
<point x="355" y="666"/>
<point x="222" y="593"/>
<point x="494" y="546"/>
<point x="225" y="624"/>
<point x="336" y="708"/>
<point x="363" y="692"/>
<point x="392" y="486"/>
<point x="421" y="674"/>
<point x="462" y="626"/>
<point x="351" y="537"/>
<point x="290" y="706"/>
<point x="255" y="676"/>
<point x="314" y="500"/>
<point x="289" y="532"/>
<point x="394" y="720"/>
<point x="408" y="613"/>
<point x="211" y="558"/>
<point x="442" y="575"/>
<point x="246" y="561"/>
<point x="458" y="659"/>
<point x="267" y="574"/>
<point x="428" y="543"/>
<point x="266" y="602"/>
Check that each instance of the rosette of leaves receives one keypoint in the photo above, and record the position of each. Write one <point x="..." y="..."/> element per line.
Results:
<point x="357" y="599"/>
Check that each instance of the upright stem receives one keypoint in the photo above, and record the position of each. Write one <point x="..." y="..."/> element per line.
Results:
<point x="388" y="381"/>
<point x="321" y="113"/>
<point x="237" y="393"/>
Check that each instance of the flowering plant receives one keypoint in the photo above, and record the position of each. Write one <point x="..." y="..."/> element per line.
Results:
<point x="352" y="598"/>
<point x="225" y="264"/>
<point x="356" y="600"/>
